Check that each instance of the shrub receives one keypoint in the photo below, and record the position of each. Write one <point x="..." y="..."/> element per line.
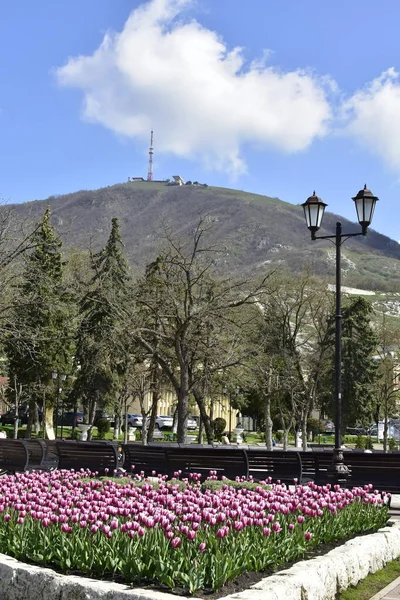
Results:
<point x="393" y="444"/>
<point x="315" y="426"/>
<point x="360" y="443"/>
<point x="103" y="427"/>
<point x="368" y="443"/>
<point x="278" y="435"/>
<point x="219" y="425"/>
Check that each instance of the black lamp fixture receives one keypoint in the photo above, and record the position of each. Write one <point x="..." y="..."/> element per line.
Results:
<point x="314" y="209"/>
<point x="365" y="203"/>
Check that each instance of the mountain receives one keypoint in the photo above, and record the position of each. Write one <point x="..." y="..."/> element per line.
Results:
<point x="253" y="232"/>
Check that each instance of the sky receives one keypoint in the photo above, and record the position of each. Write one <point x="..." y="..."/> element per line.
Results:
<point x="277" y="98"/>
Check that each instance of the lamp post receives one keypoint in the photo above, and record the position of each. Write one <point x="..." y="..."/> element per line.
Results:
<point x="58" y="378"/>
<point x="314" y="209"/>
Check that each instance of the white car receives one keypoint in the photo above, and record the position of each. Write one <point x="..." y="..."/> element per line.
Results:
<point x="164" y="422"/>
<point x="191" y="424"/>
<point x="135" y="420"/>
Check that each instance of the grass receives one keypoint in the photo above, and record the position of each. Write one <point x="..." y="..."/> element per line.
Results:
<point x="373" y="583"/>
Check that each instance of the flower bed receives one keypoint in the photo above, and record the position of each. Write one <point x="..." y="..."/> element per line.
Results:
<point x="172" y="534"/>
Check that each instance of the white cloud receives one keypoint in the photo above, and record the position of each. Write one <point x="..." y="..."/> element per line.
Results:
<point x="373" y="115"/>
<point x="202" y="99"/>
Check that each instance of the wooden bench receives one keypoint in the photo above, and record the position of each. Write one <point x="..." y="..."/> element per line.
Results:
<point x="382" y="470"/>
<point x="146" y="459"/>
<point x="36" y="453"/>
<point x="96" y="456"/>
<point x="14" y="455"/>
<point x="50" y="460"/>
<point x="308" y="466"/>
<point x="281" y="465"/>
<point x="226" y="461"/>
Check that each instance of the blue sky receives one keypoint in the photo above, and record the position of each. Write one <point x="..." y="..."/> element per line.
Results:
<point x="310" y="101"/>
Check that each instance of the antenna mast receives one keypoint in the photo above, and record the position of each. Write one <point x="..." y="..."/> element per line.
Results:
<point x="151" y="152"/>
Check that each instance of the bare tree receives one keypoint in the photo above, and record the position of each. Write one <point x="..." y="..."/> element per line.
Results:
<point x="185" y="317"/>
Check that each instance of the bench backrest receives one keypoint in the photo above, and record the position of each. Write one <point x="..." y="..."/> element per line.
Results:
<point x="280" y="465"/>
<point x="146" y="459"/>
<point x="229" y="462"/>
<point x="96" y="456"/>
<point x="382" y="470"/>
<point x="13" y="455"/>
<point x="36" y="452"/>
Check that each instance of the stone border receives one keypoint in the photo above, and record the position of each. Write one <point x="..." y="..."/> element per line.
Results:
<point x="315" y="579"/>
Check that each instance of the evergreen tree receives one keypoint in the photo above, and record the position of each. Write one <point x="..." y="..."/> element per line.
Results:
<point x="102" y="345"/>
<point x="359" y="367"/>
<point x="42" y="313"/>
<point x="359" y="376"/>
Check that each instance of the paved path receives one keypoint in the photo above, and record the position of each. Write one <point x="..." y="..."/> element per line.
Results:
<point x="390" y="592"/>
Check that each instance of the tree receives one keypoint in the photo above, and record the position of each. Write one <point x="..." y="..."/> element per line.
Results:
<point x="387" y="383"/>
<point x="359" y="367"/>
<point x="292" y="350"/>
<point x="102" y="345"/>
<point x="42" y="311"/>
<point x="190" y="321"/>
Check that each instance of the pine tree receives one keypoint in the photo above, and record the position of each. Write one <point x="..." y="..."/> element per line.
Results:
<point x="359" y="373"/>
<point x="42" y="315"/>
<point x="359" y="367"/>
<point x="101" y="344"/>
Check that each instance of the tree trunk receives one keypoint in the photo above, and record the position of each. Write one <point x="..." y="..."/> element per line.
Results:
<point x="183" y="404"/>
<point x="91" y="414"/>
<point x="268" y="421"/>
<point x="153" y="414"/>
<point x="28" y="432"/>
<point x="204" y="418"/>
<point x="304" y="431"/>
<point x="385" y="427"/>
<point x="117" y="425"/>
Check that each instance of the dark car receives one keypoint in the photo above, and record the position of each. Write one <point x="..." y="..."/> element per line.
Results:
<point x="9" y="417"/>
<point x="67" y="418"/>
<point x="23" y="413"/>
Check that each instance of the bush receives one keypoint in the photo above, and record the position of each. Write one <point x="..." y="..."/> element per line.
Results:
<point x="368" y="443"/>
<point x="103" y="427"/>
<point x="360" y="443"/>
<point x="315" y="426"/>
<point x="278" y="435"/>
<point x="393" y="444"/>
<point x="219" y="425"/>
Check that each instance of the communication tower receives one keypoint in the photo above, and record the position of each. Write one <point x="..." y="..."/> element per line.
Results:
<point x="151" y="152"/>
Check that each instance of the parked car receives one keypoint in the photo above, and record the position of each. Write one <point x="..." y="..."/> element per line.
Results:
<point x="164" y="422"/>
<point x="23" y="413"/>
<point x="8" y="417"/>
<point x="102" y="415"/>
<point x="67" y="418"/>
<point x="191" y="424"/>
<point x="134" y="420"/>
<point x="329" y="426"/>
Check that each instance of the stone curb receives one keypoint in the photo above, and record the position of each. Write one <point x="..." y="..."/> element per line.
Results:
<point x="315" y="579"/>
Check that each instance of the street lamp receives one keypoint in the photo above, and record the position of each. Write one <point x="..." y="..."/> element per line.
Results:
<point x="314" y="209"/>
<point x="58" y="378"/>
